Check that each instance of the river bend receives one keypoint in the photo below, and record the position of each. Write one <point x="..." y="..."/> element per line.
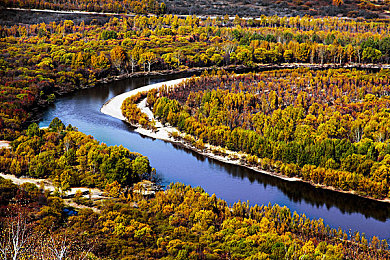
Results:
<point x="229" y="182"/>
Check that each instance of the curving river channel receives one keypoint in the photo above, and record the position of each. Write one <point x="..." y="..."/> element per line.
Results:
<point x="229" y="182"/>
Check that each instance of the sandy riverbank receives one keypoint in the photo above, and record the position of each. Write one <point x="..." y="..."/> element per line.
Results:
<point x="113" y="108"/>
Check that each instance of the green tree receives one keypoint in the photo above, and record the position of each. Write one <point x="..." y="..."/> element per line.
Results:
<point x="118" y="57"/>
<point x="141" y="166"/>
<point x="371" y="54"/>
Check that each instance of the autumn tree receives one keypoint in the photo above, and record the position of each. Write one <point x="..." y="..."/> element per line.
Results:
<point x="148" y="58"/>
<point x="118" y="57"/>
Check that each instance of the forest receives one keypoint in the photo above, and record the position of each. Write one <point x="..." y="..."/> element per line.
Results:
<point x="179" y="223"/>
<point x="70" y="158"/>
<point x="39" y="62"/>
<point x="349" y="8"/>
<point x="327" y="125"/>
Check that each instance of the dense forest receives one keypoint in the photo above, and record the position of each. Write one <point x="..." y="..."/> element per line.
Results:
<point x="39" y="62"/>
<point x="106" y="6"/>
<point x="347" y="8"/>
<point x="325" y="126"/>
<point x="72" y="159"/>
<point x="179" y="223"/>
<point x="329" y="127"/>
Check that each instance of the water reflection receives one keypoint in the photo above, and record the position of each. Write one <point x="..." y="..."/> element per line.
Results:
<point x="303" y="192"/>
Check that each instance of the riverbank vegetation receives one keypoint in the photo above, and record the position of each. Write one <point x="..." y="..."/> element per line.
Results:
<point x="72" y="159"/>
<point x="328" y="127"/>
<point x="179" y="223"/>
<point x="39" y="62"/>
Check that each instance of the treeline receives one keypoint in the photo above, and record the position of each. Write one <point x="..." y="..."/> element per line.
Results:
<point x="39" y="62"/>
<point x="328" y="127"/>
<point x="72" y="159"/>
<point x="179" y="223"/>
<point x="318" y="8"/>
<point x="106" y="6"/>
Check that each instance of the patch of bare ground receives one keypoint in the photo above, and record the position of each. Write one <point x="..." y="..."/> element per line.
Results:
<point x="94" y="194"/>
<point x="5" y="144"/>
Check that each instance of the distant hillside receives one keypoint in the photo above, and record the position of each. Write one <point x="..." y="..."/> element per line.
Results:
<point x="349" y="8"/>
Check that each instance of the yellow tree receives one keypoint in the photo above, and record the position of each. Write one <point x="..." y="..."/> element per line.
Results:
<point x="337" y="2"/>
<point x="350" y="51"/>
<point x="99" y="62"/>
<point x="134" y="56"/>
<point x="148" y="58"/>
<point x="78" y="61"/>
<point x="118" y="57"/>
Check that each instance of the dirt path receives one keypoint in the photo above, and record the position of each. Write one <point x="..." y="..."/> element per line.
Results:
<point x="70" y="203"/>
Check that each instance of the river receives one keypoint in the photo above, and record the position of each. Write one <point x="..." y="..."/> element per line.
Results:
<point x="229" y="182"/>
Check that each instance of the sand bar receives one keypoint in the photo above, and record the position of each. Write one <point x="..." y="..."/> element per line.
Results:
<point x="113" y="106"/>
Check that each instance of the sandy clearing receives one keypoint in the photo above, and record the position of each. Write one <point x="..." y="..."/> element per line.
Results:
<point x="48" y="185"/>
<point x="5" y="144"/>
<point x="20" y="180"/>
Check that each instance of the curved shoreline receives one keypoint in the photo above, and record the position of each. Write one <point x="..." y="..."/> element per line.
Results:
<point x="113" y="108"/>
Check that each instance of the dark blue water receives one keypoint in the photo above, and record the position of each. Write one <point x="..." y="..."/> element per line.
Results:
<point x="229" y="182"/>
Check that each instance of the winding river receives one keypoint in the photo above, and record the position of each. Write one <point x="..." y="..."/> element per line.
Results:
<point x="229" y="182"/>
